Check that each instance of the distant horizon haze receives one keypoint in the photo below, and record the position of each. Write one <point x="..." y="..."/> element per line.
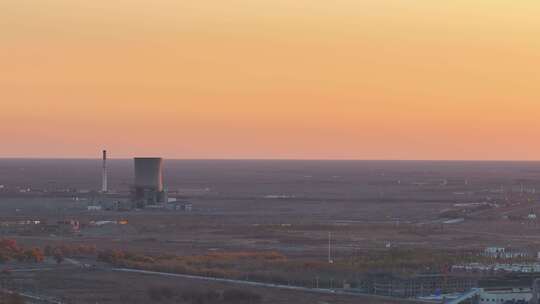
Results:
<point x="128" y="158"/>
<point x="271" y="79"/>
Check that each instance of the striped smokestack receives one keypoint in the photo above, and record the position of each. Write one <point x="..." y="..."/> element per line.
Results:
<point x="104" y="184"/>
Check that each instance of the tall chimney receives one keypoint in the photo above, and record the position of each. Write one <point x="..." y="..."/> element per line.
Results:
<point x="104" y="185"/>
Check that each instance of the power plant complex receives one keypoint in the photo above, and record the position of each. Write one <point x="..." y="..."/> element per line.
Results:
<point x="147" y="189"/>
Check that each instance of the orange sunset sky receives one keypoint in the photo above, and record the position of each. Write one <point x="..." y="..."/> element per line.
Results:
<point x="343" y="79"/>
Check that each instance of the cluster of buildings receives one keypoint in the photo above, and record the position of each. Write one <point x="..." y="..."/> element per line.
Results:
<point x="483" y="268"/>
<point x="31" y="227"/>
<point x="514" y="289"/>
<point x="505" y="253"/>
<point x="509" y="276"/>
<point x="451" y="289"/>
<point x="415" y="286"/>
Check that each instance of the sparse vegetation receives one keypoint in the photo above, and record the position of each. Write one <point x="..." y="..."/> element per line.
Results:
<point x="10" y="250"/>
<point x="273" y="267"/>
<point x="240" y="296"/>
<point x="11" y="298"/>
<point x="199" y="296"/>
<point x="70" y="250"/>
<point x="158" y="294"/>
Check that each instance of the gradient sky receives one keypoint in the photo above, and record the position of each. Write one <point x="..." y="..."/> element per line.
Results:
<point x="345" y="79"/>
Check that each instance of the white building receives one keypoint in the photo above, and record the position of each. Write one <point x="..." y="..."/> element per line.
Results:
<point x="502" y="295"/>
<point x="94" y="208"/>
<point x="494" y="251"/>
<point x="504" y="253"/>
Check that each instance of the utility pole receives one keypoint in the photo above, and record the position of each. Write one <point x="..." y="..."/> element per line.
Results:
<point x="330" y="260"/>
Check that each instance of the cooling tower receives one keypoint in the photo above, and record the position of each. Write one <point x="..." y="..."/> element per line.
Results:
<point x="149" y="173"/>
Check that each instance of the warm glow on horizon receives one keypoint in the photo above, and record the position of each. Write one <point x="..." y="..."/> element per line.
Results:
<point x="344" y="79"/>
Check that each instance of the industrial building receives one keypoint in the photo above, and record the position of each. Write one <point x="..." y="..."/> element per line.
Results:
<point x="148" y="188"/>
<point x="505" y="295"/>
<point x="509" y="289"/>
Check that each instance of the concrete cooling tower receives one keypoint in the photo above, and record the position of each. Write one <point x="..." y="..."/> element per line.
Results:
<point x="149" y="188"/>
<point x="149" y="173"/>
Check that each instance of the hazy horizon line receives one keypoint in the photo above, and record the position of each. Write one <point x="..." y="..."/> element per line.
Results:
<point x="272" y="159"/>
